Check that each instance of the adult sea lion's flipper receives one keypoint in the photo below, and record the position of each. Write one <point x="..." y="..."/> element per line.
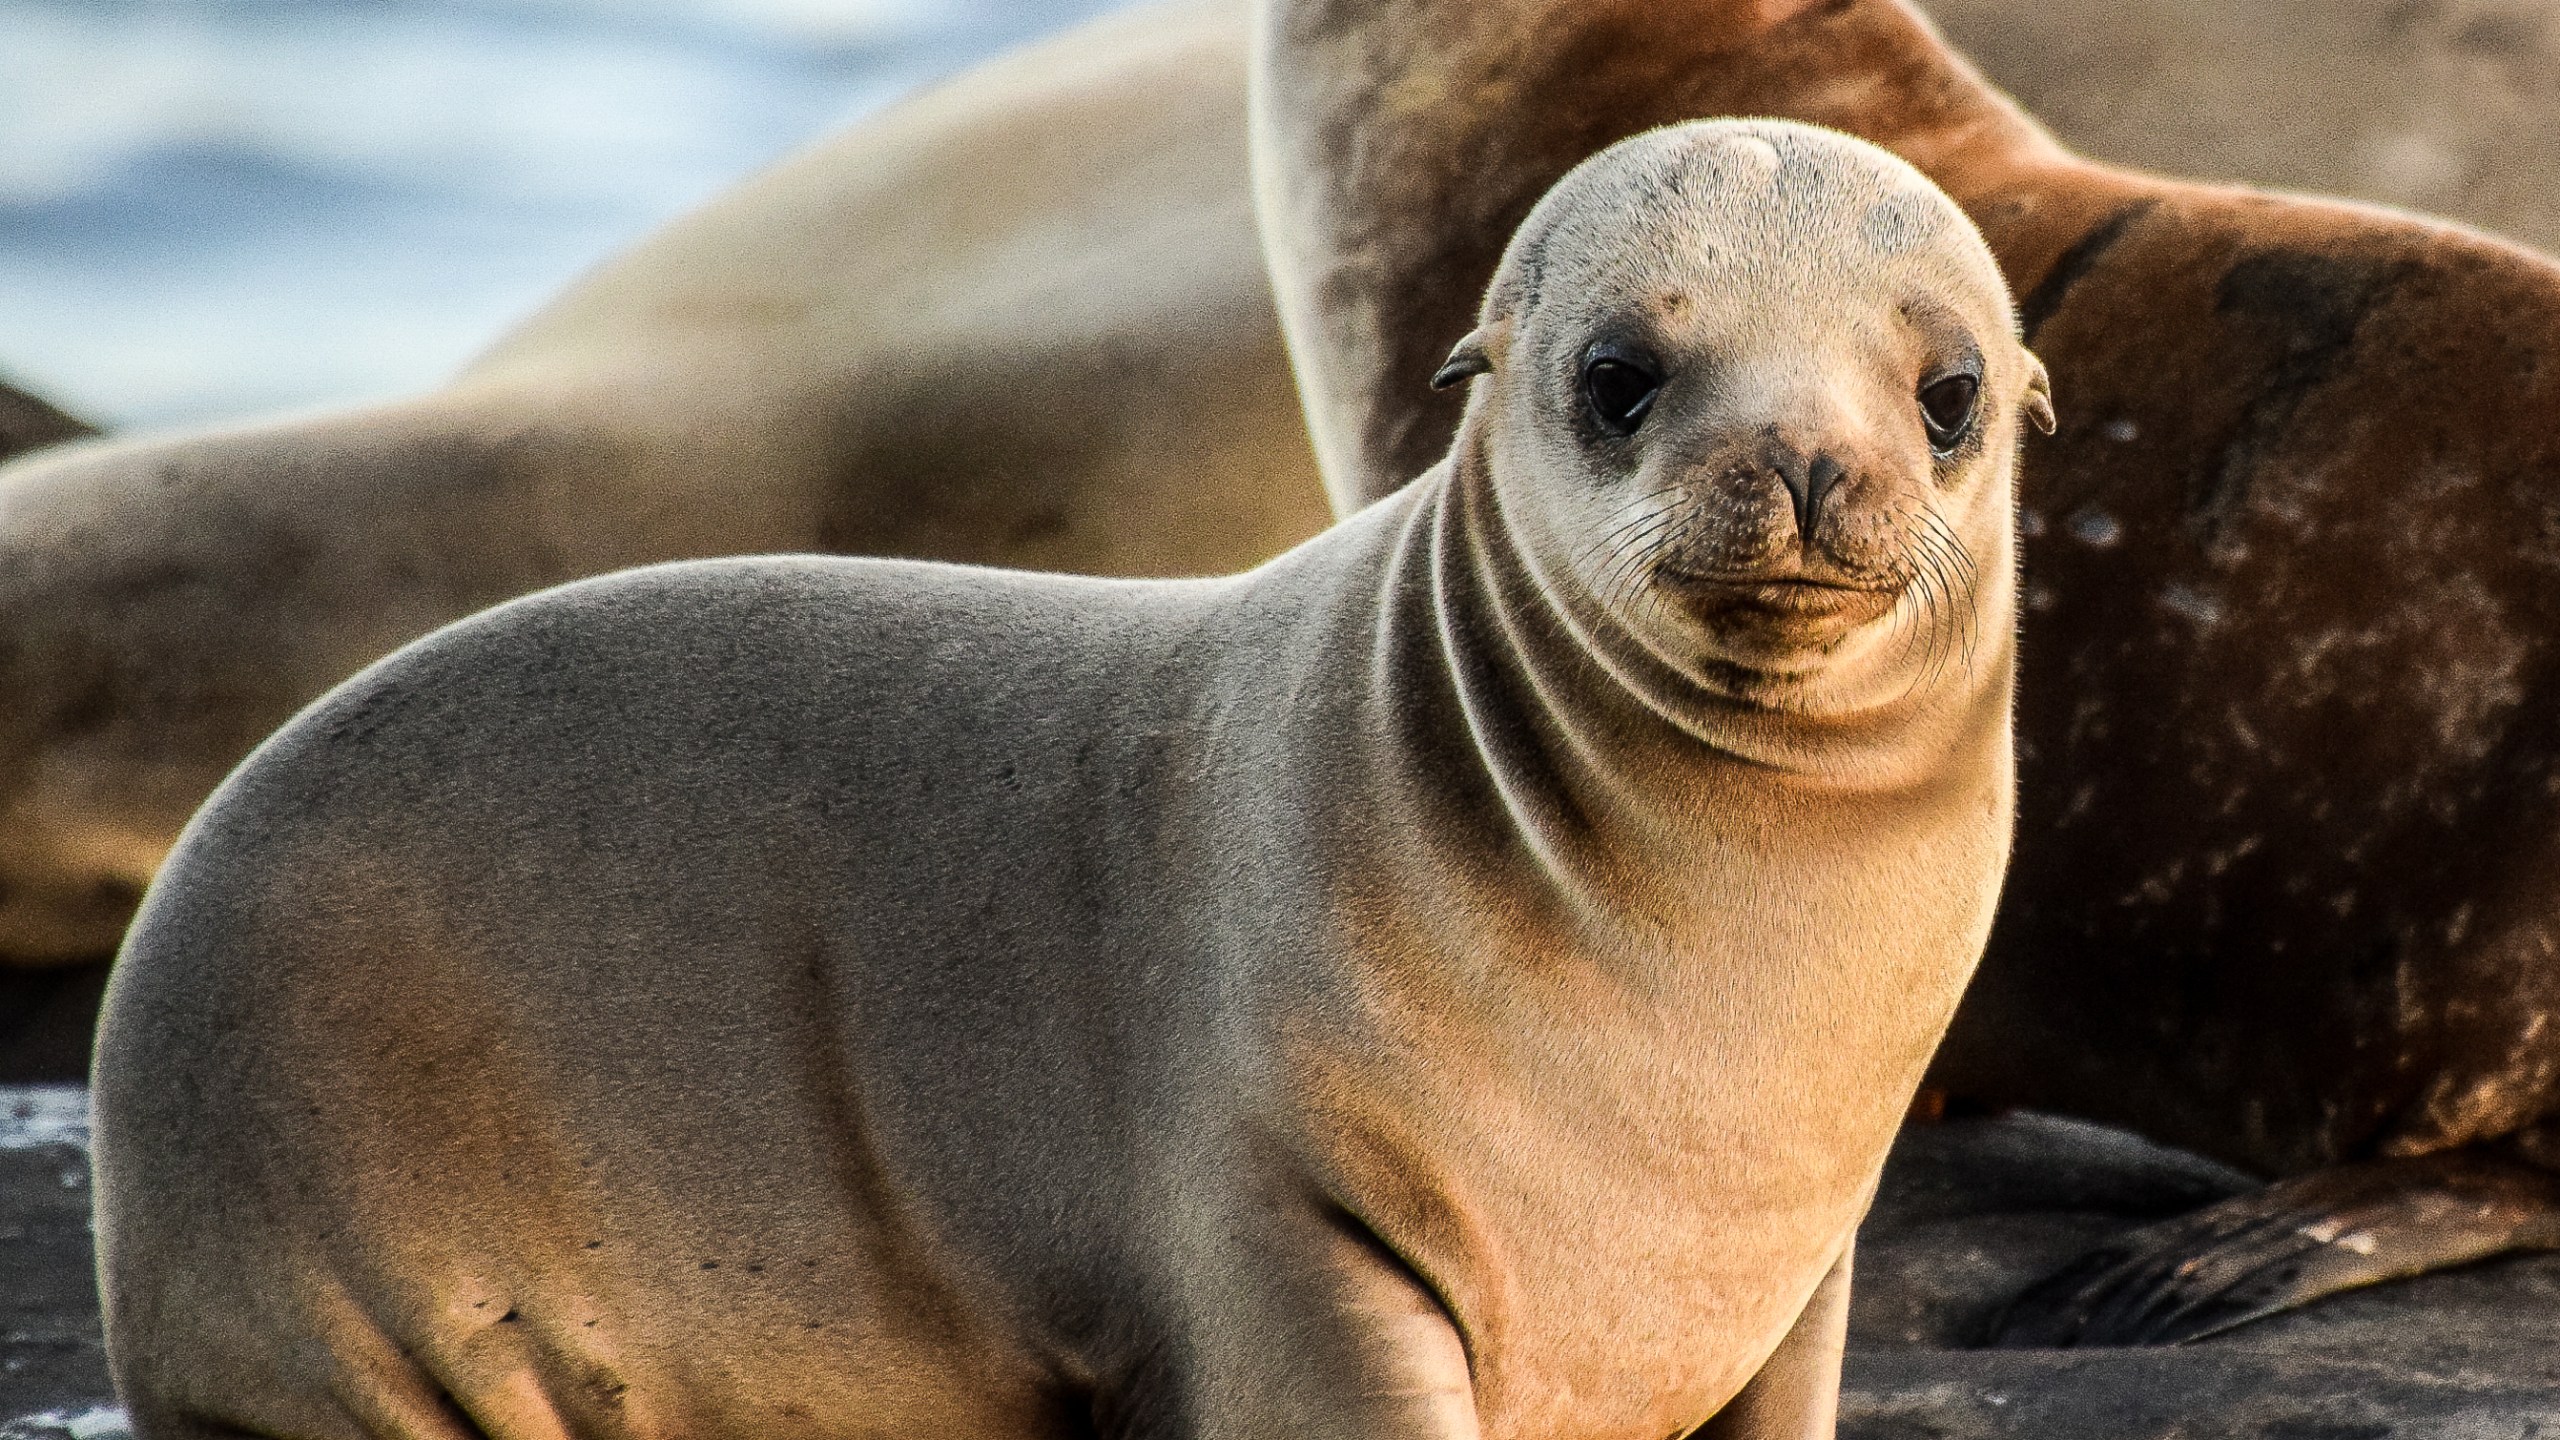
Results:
<point x="27" y="423"/>
<point x="2293" y="1242"/>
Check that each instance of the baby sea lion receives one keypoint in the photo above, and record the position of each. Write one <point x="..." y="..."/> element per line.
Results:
<point x="1457" y="980"/>
<point x="1009" y="322"/>
<point x="2286" y="821"/>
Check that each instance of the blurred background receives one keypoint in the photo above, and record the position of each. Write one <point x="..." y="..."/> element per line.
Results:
<point x="212" y="208"/>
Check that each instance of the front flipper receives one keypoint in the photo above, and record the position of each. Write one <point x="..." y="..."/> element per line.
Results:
<point x="2297" y="1240"/>
<point x="1796" y="1395"/>
<point x="1308" y="1326"/>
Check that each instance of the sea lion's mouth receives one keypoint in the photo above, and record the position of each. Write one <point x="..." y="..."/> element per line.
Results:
<point x="1806" y="595"/>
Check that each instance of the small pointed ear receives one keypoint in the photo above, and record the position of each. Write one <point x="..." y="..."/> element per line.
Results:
<point x="1472" y="357"/>
<point x="2038" y="406"/>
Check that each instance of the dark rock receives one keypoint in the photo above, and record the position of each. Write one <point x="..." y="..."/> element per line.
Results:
<point x="52" y="1353"/>
<point x="47" y="1016"/>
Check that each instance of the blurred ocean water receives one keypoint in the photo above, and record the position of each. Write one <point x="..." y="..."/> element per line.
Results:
<point x="215" y="208"/>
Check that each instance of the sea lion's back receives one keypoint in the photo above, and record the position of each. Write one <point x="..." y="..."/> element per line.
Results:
<point x="607" y="895"/>
<point x="720" y="708"/>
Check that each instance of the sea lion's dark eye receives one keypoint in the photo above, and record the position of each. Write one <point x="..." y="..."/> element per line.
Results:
<point x="1619" y="388"/>
<point x="1946" y="407"/>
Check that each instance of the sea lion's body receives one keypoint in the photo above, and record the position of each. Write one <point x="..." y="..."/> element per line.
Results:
<point x="1014" y="321"/>
<point x="732" y="993"/>
<point x="1412" y="988"/>
<point x="2287" y="815"/>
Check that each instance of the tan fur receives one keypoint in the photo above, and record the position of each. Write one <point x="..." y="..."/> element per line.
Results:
<point x="1458" y="980"/>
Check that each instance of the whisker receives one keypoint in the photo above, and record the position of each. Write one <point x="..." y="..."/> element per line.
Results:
<point x="1638" y="560"/>
<point x="1640" y="518"/>
<point x="1970" y="572"/>
<point x="1956" y="617"/>
<point x="1909" y="576"/>
<point x="1626" y="565"/>
<point x="1628" y="537"/>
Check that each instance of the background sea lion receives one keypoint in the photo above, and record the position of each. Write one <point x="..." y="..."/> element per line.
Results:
<point x="1014" y="321"/>
<point x="1459" y="979"/>
<point x="2287" y="809"/>
<point x="44" y="1016"/>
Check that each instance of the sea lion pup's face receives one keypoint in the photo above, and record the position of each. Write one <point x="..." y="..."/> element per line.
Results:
<point x="1755" y="392"/>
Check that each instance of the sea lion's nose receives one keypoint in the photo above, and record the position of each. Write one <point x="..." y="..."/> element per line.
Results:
<point x="1808" y="479"/>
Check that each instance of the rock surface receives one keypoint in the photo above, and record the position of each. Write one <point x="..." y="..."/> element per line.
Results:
<point x="51" y="1354"/>
<point x="1970" y="1213"/>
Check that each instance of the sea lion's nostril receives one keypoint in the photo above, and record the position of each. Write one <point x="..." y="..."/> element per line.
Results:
<point x="1820" y="477"/>
<point x="1807" y="482"/>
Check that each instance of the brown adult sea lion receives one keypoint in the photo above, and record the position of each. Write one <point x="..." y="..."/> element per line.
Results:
<point x="2290" y="806"/>
<point x="1458" y="980"/>
<point x="1014" y="321"/>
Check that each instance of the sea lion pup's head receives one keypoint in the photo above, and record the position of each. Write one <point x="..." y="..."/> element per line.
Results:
<point x="1753" y="400"/>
